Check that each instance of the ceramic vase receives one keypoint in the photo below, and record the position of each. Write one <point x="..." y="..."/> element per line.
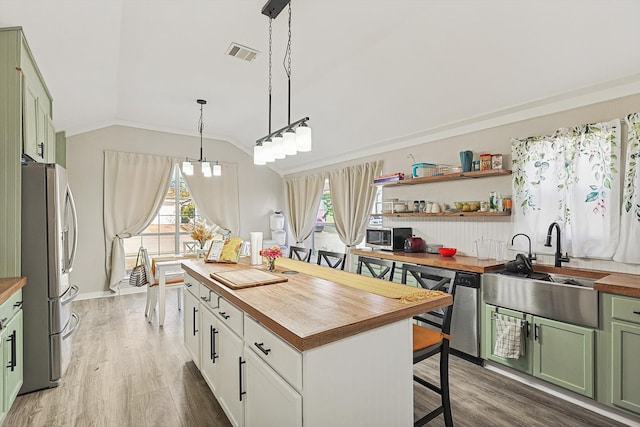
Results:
<point x="466" y="160"/>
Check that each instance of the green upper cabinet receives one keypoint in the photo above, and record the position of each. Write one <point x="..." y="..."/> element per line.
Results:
<point x="25" y="122"/>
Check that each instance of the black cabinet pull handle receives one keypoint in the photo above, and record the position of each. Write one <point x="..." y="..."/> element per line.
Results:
<point x="41" y="147"/>
<point x="224" y="314"/>
<point x="261" y="347"/>
<point x="187" y="284"/>
<point x="195" y="331"/>
<point x="12" y="362"/>
<point x="17" y="304"/>
<point x="636" y="312"/>
<point x="214" y="355"/>
<point x="536" y="333"/>
<point x="240" y="392"/>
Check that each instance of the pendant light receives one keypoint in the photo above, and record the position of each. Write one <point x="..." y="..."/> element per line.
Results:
<point x="296" y="136"/>
<point x="205" y="166"/>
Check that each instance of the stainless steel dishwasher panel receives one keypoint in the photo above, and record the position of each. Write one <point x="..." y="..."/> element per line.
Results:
<point x="464" y="322"/>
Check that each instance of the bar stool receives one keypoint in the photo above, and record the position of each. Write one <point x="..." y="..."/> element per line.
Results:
<point x="386" y="266"/>
<point x="432" y="340"/>
<point x="300" y="253"/>
<point x="332" y="259"/>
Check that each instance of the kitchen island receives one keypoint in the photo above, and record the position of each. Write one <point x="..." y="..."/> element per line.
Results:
<point x="307" y="349"/>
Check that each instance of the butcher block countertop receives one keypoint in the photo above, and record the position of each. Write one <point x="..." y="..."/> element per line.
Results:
<point x="307" y="311"/>
<point x="622" y="284"/>
<point x="458" y="262"/>
<point x="9" y="286"/>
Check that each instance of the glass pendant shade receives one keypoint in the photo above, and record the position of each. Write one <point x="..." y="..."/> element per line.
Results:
<point x="267" y="150"/>
<point x="303" y="138"/>
<point x="278" y="146"/>
<point x="217" y="170"/>
<point x="206" y="169"/>
<point x="289" y="142"/>
<point x="258" y="155"/>
<point x="187" y="168"/>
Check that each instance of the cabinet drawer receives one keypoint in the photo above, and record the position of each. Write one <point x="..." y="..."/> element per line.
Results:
<point x="230" y="315"/>
<point x="192" y="285"/>
<point x="625" y="308"/>
<point x="10" y="307"/>
<point x="283" y="358"/>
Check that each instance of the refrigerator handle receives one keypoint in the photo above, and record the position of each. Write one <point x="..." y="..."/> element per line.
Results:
<point x="73" y="329"/>
<point x="72" y="295"/>
<point x="74" y="216"/>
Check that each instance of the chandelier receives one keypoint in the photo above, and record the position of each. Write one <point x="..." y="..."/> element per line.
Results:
<point x="294" y="137"/>
<point x="206" y="167"/>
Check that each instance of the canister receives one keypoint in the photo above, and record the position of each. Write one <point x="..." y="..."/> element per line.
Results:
<point x="485" y="162"/>
<point x="496" y="161"/>
<point x="476" y="165"/>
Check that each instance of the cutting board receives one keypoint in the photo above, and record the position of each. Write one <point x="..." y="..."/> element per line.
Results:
<point x="238" y="279"/>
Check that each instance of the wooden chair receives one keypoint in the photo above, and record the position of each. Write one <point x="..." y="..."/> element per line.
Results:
<point x="300" y="253"/>
<point x="332" y="259"/>
<point x="172" y="278"/>
<point x="386" y="267"/>
<point x="431" y="340"/>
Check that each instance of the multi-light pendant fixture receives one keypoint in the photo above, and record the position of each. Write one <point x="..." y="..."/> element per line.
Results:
<point x="296" y="136"/>
<point x="207" y="170"/>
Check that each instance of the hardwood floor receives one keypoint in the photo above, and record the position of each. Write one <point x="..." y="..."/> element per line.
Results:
<point x="127" y="372"/>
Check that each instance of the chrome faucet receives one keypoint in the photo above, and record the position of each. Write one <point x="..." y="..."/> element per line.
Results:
<point x="559" y="259"/>
<point x="531" y="256"/>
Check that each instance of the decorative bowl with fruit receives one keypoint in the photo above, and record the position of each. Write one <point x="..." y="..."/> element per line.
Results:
<point x="472" y="206"/>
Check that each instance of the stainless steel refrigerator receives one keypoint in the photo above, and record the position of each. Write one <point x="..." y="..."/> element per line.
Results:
<point x="49" y="240"/>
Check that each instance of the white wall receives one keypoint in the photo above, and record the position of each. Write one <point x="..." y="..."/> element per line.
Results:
<point x="462" y="232"/>
<point x="261" y="189"/>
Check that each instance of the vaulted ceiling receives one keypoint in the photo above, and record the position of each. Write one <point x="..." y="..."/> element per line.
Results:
<point x="371" y="74"/>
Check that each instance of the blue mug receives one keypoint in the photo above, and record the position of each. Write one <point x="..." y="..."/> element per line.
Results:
<point x="466" y="159"/>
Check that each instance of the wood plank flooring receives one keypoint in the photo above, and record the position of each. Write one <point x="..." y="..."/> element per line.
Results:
<point x="127" y="372"/>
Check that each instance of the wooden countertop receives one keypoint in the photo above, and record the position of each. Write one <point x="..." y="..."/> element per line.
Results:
<point x="458" y="262"/>
<point x="606" y="281"/>
<point x="617" y="283"/>
<point x="307" y="311"/>
<point x="9" y="286"/>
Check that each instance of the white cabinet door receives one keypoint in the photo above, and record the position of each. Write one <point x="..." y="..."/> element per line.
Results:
<point x="270" y="401"/>
<point x="191" y="326"/>
<point x="231" y="390"/>
<point x="209" y="348"/>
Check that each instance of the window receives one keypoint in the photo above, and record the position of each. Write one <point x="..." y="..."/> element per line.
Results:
<point x="324" y="236"/>
<point x="171" y="227"/>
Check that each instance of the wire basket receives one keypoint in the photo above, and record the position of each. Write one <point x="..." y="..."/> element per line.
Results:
<point x="442" y="170"/>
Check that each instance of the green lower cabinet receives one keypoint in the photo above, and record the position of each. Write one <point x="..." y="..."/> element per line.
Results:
<point x="11" y="378"/>
<point x="525" y="362"/>
<point x="625" y="365"/>
<point x="563" y="354"/>
<point x="556" y="352"/>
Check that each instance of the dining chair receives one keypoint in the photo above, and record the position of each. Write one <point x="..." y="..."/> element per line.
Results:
<point x="332" y="259"/>
<point x="172" y="278"/>
<point x="300" y="253"/>
<point x="430" y="340"/>
<point x="383" y="267"/>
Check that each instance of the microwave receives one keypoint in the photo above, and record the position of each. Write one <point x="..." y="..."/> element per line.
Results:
<point x="387" y="239"/>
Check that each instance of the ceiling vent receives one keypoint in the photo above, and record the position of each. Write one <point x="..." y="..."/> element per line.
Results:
<point x="242" y="52"/>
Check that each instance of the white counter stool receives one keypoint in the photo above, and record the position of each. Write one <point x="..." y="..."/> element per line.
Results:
<point x="161" y="271"/>
<point x="429" y="341"/>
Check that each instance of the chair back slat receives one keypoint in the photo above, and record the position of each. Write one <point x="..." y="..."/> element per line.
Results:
<point x="387" y="266"/>
<point x="300" y="253"/>
<point x="332" y="259"/>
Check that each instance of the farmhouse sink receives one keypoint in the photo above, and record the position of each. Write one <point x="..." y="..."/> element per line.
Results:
<point x="566" y="298"/>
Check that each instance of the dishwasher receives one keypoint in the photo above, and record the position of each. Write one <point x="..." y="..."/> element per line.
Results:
<point x="465" y="341"/>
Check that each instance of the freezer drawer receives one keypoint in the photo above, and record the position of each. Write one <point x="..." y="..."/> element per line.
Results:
<point x="61" y="344"/>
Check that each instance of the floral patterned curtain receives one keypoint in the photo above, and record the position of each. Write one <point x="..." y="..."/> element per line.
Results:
<point x="629" y="247"/>
<point x="570" y="177"/>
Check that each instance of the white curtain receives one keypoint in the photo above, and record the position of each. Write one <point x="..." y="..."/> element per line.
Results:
<point x="571" y="177"/>
<point x="216" y="197"/>
<point x="302" y="196"/>
<point x="629" y="247"/>
<point x="135" y="185"/>
<point x="352" y="195"/>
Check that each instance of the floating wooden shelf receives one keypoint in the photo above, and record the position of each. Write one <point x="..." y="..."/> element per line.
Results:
<point x="448" y="177"/>
<point x="448" y="214"/>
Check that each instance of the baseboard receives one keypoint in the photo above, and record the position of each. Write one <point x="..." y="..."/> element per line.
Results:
<point x="104" y="294"/>
<point x="583" y="402"/>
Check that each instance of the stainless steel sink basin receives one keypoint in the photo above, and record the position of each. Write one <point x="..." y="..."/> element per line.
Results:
<point x="560" y="297"/>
